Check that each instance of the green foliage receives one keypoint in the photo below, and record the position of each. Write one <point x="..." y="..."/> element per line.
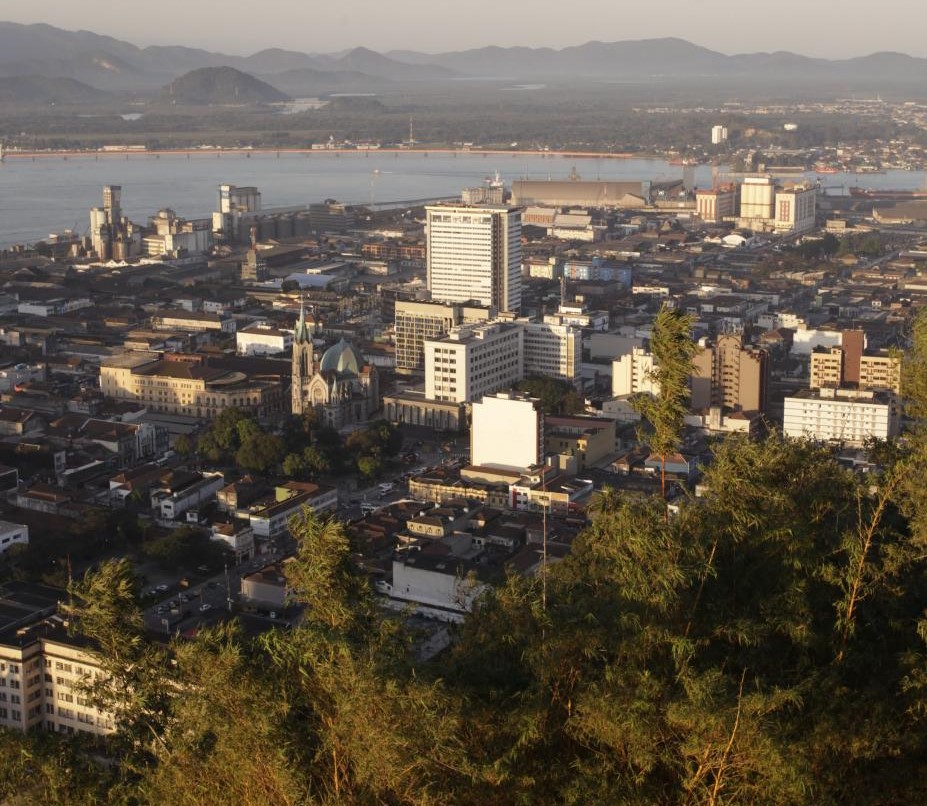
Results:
<point x="184" y="445"/>
<point x="185" y="547"/>
<point x="556" y="396"/>
<point x="766" y="645"/>
<point x="673" y="350"/>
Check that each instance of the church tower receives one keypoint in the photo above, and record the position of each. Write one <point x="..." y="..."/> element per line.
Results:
<point x="303" y="363"/>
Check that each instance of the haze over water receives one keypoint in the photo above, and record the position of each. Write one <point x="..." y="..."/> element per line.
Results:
<point x="51" y="194"/>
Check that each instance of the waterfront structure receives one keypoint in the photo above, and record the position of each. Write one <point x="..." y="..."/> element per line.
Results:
<point x="767" y="207"/>
<point x="717" y="204"/>
<point x="234" y="205"/>
<point x="474" y="254"/>
<point x="579" y="193"/>
<point x="169" y="235"/>
<point x="112" y="236"/>
<point x="843" y="416"/>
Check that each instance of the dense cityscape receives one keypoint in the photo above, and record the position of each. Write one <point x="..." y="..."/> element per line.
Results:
<point x="561" y="490"/>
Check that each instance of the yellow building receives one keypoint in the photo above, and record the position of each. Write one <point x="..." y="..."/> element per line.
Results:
<point x="588" y="439"/>
<point x="880" y="373"/>
<point x="187" y="388"/>
<point x="827" y="368"/>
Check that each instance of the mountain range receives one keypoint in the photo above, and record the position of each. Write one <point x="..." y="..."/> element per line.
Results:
<point x="105" y="63"/>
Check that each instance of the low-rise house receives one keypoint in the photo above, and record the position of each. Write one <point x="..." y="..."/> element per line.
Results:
<point x="271" y="517"/>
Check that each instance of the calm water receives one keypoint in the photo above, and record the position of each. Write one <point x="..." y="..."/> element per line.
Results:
<point x="52" y="194"/>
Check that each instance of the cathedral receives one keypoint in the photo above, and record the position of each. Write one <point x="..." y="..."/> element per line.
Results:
<point x="340" y="387"/>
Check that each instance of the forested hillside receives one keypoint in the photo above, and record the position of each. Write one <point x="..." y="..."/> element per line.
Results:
<point x="764" y="645"/>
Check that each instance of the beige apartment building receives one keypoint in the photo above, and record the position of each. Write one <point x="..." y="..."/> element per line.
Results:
<point x="839" y="367"/>
<point x="186" y="388"/>
<point x="731" y="374"/>
<point x="41" y="669"/>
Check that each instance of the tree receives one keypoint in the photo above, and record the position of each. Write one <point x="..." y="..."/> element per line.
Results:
<point x="673" y="351"/>
<point x="132" y="687"/>
<point x="184" y="445"/>
<point x="369" y="466"/>
<point x="259" y="451"/>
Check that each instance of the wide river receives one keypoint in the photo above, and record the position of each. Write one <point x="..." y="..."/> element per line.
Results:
<point x="50" y="194"/>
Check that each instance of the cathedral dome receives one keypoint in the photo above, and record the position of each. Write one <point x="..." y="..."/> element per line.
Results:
<point x="341" y="358"/>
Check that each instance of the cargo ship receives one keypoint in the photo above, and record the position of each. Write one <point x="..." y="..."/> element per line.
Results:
<point x="887" y="195"/>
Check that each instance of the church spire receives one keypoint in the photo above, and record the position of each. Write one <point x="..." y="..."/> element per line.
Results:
<point x="302" y="332"/>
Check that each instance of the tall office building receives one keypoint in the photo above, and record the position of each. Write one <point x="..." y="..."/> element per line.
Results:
<point x="415" y="322"/>
<point x="474" y="253"/>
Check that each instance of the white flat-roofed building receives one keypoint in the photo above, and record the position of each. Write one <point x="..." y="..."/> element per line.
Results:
<point x="474" y="253"/>
<point x="261" y="338"/>
<point x="845" y="416"/>
<point x="553" y="351"/>
<point x="474" y="360"/>
<point x="796" y="209"/>
<point x="507" y="431"/>
<point x="632" y="374"/>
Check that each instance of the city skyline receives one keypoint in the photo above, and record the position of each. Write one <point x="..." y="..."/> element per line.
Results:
<point x="715" y="24"/>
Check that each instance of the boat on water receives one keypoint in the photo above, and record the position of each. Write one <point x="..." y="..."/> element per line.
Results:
<point x="887" y="195"/>
<point x="826" y="169"/>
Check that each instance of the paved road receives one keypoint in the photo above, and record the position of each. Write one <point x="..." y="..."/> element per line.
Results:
<point x="219" y="592"/>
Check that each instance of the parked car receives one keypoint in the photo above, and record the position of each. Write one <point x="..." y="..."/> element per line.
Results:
<point x="205" y="606"/>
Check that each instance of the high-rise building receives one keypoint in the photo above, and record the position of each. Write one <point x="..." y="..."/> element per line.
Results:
<point x="415" y="322"/>
<point x="718" y="135"/>
<point x="552" y="351"/>
<point x="848" y="366"/>
<point x="767" y="207"/>
<point x="757" y="199"/>
<point x="474" y="253"/>
<point x="474" y="360"/>
<point x="845" y="416"/>
<point x="732" y="374"/>
<point x="632" y="374"/>
<point x="507" y="431"/>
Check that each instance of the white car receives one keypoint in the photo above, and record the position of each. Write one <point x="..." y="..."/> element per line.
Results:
<point x="205" y="606"/>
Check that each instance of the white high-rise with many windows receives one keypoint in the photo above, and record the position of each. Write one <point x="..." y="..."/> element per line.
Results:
<point x="474" y="253"/>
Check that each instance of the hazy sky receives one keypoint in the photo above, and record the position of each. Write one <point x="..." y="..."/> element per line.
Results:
<point x="812" y="27"/>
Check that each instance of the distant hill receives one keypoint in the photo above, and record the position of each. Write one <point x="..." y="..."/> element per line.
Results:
<point x="307" y="81"/>
<point x="666" y="58"/>
<point x="212" y="86"/>
<point x="110" y="64"/>
<point x="40" y="90"/>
